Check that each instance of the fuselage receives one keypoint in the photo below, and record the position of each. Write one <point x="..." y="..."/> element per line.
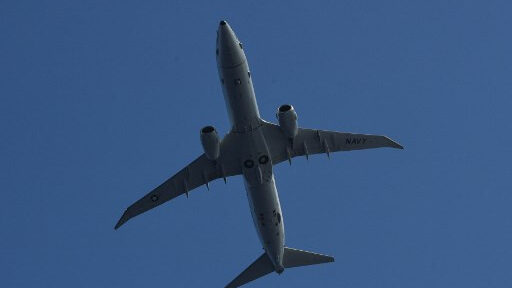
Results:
<point x="244" y="116"/>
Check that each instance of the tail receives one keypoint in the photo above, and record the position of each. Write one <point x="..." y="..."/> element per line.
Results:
<point x="291" y="258"/>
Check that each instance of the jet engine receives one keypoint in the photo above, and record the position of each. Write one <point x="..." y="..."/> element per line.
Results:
<point x="211" y="142"/>
<point x="287" y="120"/>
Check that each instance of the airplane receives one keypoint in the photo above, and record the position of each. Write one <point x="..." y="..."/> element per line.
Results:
<point x="251" y="149"/>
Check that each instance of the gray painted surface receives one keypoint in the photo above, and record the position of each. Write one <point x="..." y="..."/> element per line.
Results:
<point x="254" y="152"/>
<point x="250" y="149"/>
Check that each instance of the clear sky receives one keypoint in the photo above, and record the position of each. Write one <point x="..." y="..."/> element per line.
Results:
<point x="101" y="101"/>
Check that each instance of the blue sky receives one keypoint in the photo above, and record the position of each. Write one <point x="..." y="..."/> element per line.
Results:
<point x="100" y="101"/>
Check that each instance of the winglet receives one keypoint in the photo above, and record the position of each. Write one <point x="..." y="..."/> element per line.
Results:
<point x="123" y="219"/>
<point x="394" y="144"/>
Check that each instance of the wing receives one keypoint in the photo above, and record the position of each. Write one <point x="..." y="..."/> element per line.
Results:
<point x="199" y="172"/>
<point x="310" y="141"/>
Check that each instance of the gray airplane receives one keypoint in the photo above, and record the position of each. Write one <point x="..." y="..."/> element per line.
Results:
<point x="251" y="149"/>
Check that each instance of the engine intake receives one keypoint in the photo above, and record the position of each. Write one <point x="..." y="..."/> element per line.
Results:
<point x="287" y="118"/>
<point x="210" y="142"/>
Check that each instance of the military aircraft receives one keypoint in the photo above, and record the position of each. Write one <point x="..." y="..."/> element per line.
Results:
<point x="251" y="149"/>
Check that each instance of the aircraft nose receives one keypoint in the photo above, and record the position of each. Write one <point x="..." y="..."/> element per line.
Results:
<point x="229" y="49"/>
<point x="227" y="38"/>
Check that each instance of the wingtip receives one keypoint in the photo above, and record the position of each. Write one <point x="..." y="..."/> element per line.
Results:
<point x="122" y="220"/>
<point x="395" y="144"/>
<point x="118" y="225"/>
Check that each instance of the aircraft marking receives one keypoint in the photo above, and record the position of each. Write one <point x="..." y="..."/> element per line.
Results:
<point x="353" y="141"/>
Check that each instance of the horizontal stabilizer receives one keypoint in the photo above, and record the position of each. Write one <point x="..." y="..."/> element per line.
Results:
<point x="261" y="267"/>
<point x="296" y="258"/>
<point x="291" y="258"/>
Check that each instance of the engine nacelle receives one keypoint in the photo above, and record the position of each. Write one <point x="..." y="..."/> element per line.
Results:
<point x="288" y="120"/>
<point x="211" y="142"/>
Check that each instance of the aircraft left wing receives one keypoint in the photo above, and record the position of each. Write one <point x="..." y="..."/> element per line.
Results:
<point x="198" y="172"/>
<point x="311" y="141"/>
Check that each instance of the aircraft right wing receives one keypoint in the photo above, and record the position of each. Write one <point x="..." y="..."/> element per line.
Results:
<point x="198" y="172"/>
<point x="311" y="141"/>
